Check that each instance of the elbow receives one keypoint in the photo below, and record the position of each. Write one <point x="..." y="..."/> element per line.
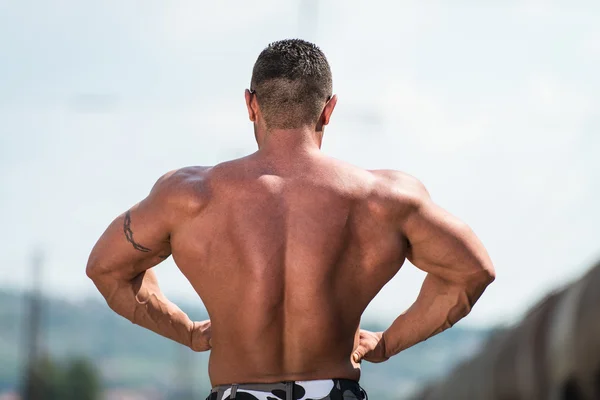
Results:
<point x="488" y="274"/>
<point x="481" y="280"/>
<point x="477" y="279"/>
<point x="482" y="274"/>
<point x="94" y="270"/>
<point x="491" y="275"/>
<point x="91" y="271"/>
<point x="98" y="267"/>
<point x="475" y="287"/>
<point x="102" y="281"/>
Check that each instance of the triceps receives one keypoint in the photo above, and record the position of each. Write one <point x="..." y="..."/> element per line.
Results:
<point x="129" y="234"/>
<point x="163" y="250"/>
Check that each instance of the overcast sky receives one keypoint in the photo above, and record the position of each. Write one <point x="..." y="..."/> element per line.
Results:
<point x="495" y="108"/>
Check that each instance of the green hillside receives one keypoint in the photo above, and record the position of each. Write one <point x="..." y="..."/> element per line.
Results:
<point x="129" y="356"/>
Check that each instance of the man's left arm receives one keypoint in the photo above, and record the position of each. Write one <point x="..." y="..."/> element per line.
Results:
<point x="121" y="263"/>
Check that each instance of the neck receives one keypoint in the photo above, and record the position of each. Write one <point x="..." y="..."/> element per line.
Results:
<point x="285" y="141"/>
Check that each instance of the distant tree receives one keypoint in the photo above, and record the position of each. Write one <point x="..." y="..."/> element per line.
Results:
<point x="80" y="381"/>
<point x="42" y="380"/>
<point x="47" y="380"/>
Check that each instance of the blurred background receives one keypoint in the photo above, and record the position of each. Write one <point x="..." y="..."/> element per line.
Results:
<point x="495" y="107"/>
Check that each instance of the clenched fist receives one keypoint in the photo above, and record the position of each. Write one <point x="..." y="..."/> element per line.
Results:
<point x="201" y="336"/>
<point x="371" y="347"/>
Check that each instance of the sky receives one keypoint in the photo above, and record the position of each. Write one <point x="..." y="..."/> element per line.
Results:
<point x="495" y="108"/>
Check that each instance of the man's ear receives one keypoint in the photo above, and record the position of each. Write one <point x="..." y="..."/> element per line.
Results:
<point x="251" y="104"/>
<point x="328" y="110"/>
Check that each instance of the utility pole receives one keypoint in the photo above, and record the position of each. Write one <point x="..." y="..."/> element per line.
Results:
<point x="31" y="327"/>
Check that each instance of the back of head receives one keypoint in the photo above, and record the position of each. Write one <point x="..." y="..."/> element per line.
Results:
<point x="292" y="81"/>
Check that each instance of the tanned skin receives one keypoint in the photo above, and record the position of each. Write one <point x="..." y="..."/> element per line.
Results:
<point x="286" y="248"/>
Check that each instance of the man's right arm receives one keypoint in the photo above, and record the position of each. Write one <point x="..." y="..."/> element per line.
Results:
<point x="457" y="265"/>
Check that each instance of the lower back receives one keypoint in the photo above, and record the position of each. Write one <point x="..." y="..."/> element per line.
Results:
<point x="276" y="344"/>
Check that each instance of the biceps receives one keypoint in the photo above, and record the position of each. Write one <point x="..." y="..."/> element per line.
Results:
<point x="134" y="242"/>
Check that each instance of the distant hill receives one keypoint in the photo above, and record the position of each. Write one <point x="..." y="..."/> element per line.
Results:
<point x="130" y="356"/>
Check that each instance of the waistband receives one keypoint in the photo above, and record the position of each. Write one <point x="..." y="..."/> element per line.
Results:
<point x="327" y="389"/>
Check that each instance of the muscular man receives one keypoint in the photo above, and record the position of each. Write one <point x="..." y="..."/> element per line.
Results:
<point x="286" y="248"/>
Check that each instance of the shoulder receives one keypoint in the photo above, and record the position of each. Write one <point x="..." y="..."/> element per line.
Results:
<point x="182" y="189"/>
<point x="401" y="194"/>
<point x="399" y="185"/>
<point x="176" y="178"/>
<point x="180" y="180"/>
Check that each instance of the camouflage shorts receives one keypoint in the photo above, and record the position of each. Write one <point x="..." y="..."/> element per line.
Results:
<point x="331" y="389"/>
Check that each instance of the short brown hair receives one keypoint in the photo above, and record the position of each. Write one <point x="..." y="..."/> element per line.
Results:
<point x="292" y="81"/>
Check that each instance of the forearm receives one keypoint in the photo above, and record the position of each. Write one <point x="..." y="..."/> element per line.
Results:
<point x="141" y="302"/>
<point x="438" y="307"/>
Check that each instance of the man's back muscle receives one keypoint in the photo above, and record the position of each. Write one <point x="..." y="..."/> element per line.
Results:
<point x="286" y="256"/>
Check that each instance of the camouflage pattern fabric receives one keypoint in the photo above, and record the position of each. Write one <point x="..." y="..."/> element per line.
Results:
<point x="331" y="389"/>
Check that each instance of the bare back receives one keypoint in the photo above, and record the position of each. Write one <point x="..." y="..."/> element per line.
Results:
<point x="287" y="247"/>
<point x="286" y="257"/>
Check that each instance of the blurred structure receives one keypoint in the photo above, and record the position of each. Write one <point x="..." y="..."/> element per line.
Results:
<point x="32" y="387"/>
<point x="42" y="377"/>
<point x="554" y="353"/>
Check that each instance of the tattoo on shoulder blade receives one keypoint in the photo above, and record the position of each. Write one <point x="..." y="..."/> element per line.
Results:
<point x="129" y="233"/>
